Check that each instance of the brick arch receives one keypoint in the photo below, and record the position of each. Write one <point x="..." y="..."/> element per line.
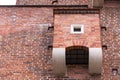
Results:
<point x="78" y="47"/>
<point x="76" y="43"/>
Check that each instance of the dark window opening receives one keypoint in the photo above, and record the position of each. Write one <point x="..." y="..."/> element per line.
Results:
<point x="77" y="55"/>
<point x="77" y="29"/>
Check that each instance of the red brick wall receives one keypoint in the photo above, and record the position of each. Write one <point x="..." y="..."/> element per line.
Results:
<point x="110" y="18"/>
<point x="63" y="37"/>
<point x="17" y="19"/>
<point x="24" y="43"/>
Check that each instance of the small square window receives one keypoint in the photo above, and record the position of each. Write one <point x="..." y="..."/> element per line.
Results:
<point x="77" y="28"/>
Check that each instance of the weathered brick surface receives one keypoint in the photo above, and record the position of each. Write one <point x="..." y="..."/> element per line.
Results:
<point x="81" y="72"/>
<point x="24" y="54"/>
<point x="23" y="43"/>
<point x="60" y="2"/>
<point x="64" y="38"/>
<point x="112" y="3"/>
<point x="110" y="18"/>
<point x="12" y="17"/>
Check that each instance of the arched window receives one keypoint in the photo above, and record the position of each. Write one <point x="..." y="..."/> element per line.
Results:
<point x="77" y="55"/>
<point x="7" y="2"/>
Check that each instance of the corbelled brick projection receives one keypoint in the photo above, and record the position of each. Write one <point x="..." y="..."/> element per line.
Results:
<point x="25" y="37"/>
<point x="63" y="37"/>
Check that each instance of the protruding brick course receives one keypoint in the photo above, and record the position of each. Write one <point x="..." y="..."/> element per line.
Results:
<point x="60" y="2"/>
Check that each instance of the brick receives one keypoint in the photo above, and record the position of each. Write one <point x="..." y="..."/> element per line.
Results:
<point x="65" y="21"/>
<point x="24" y="41"/>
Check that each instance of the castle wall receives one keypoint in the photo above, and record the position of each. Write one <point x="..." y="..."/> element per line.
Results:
<point x="24" y="40"/>
<point x="110" y="18"/>
<point x="24" y="43"/>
